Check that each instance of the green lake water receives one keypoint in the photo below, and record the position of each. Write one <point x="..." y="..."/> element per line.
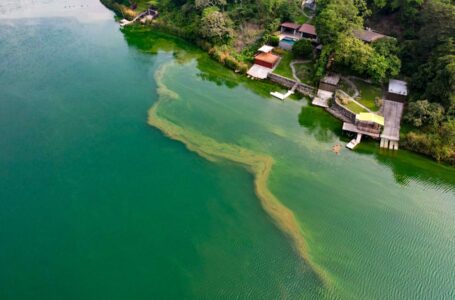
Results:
<point x="95" y="203"/>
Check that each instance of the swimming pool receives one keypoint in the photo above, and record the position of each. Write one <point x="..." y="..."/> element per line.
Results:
<point x="288" y="40"/>
<point x="287" y="43"/>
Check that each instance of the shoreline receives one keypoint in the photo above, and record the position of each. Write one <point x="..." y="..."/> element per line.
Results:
<point x="167" y="30"/>
<point x="259" y="165"/>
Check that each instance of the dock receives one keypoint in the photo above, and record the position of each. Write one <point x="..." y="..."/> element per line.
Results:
<point x="259" y="72"/>
<point x="354" y="142"/>
<point x="392" y="116"/>
<point x="284" y="96"/>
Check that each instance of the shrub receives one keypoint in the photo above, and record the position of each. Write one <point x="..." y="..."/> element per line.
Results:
<point x="273" y="40"/>
<point x="279" y="51"/>
<point x="302" y="48"/>
<point x="423" y="113"/>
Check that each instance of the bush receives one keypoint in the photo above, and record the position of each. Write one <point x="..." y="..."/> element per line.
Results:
<point x="302" y="48"/>
<point x="279" y="51"/>
<point x="423" y="113"/>
<point x="273" y="40"/>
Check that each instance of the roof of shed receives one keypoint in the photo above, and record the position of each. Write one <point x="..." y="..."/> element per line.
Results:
<point x="332" y="79"/>
<point x="398" y="87"/>
<point x="267" y="57"/>
<point x="265" y="49"/>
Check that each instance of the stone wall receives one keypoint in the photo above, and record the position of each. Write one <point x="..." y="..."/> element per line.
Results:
<point x="343" y="110"/>
<point x="289" y="83"/>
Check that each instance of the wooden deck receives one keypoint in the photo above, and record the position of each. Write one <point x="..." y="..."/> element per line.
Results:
<point x="392" y="118"/>
<point x="259" y="72"/>
<point x="352" y="128"/>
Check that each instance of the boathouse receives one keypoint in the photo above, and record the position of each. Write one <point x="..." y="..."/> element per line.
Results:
<point x="397" y="90"/>
<point x="329" y="82"/>
<point x="266" y="58"/>
<point x="264" y="63"/>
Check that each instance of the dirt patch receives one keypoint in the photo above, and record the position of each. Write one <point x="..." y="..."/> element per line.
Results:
<point x="387" y="24"/>
<point x="247" y="34"/>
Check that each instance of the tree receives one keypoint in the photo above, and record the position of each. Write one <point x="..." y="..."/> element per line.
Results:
<point x="435" y="79"/>
<point x="214" y="25"/>
<point x="302" y="48"/>
<point x="273" y="40"/>
<point x="438" y="25"/>
<point x="423" y="113"/>
<point x="386" y="49"/>
<point x="200" y="4"/>
<point x="335" y="17"/>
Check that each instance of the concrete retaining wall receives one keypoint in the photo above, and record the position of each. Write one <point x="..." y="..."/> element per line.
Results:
<point x="289" y="83"/>
<point x="343" y="111"/>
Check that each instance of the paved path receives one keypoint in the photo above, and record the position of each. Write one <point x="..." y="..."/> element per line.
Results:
<point x="353" y="86"/>
<point x="292" y="65"/>
<point x="304" y="13"/>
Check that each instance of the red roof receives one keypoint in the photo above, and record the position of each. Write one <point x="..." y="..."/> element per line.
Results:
<point x="308" y="28"/>
<point x="290" y="25"/>
<point x="267" y="57"/>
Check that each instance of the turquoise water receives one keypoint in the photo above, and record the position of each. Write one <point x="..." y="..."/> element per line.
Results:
<point x="288" y="41"/>
<point x="97" y="204"/>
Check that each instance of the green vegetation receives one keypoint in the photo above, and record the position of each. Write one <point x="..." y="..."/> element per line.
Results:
<point x="346" y="87"/>
<point x="354" y="107"/>
<point x="421" y="48"/>
<point x="284" y="68"/>
<point x="335" y="22"/>
<point x="301" y="19"/>
<point x="429" y="62"/>
<point x="304" y="72"/>
<point x="368" y="93"/>
<point x="302" y="49"/>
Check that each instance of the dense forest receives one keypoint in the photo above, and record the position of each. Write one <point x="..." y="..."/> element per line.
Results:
<point x="420" y="50"/>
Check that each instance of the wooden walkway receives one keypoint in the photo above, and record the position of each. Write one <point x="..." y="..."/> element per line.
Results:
<point x="392" y="117"/>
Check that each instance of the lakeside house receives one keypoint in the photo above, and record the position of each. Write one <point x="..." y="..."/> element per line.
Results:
<point x="292" y="32"/>
<point x="308" y="31"/>
<point x="290" y="28"/>
<point x="383" y="125"/>
<point x="264" y="63"/>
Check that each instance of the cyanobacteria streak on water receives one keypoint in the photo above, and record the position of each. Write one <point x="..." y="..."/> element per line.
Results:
<point x="260" y="165"/>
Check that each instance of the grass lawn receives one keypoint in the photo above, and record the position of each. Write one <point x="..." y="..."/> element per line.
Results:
<point x="304" y="72"/>
<point x="301" y="19"/>
<point x="142" y="5"/>
<point x="368" y="92"/>
<point x="284" y="69"/>
<point x="354" y="107"/>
